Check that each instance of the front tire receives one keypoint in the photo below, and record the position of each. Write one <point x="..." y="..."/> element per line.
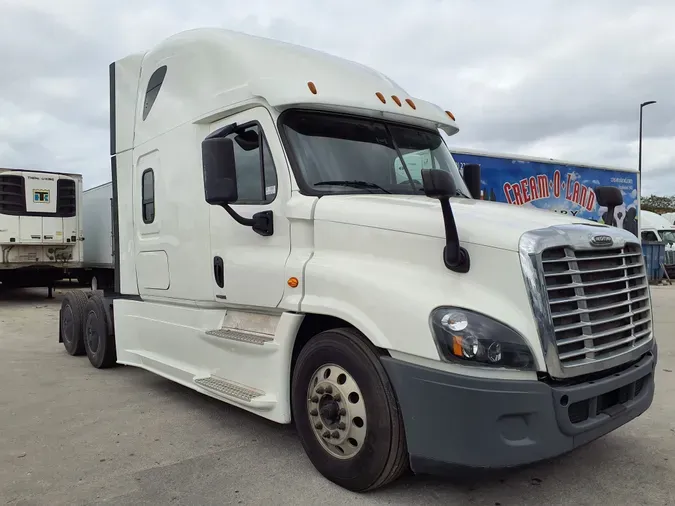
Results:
<point x="346" y="413"/>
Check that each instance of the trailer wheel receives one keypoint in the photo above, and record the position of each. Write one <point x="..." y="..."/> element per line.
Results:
<point x="99" y="341"/>
<point x="346" y="413"/>
<point x="72" y="317"/>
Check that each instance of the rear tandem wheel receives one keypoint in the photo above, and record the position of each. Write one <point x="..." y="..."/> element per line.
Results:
<point x="99" y="340"/>
<point x="72" y="316"/>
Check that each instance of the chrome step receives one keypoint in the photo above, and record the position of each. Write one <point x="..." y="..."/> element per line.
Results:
<point x="236" y="392"/>
<point x="241" y="335"/>
<point x="229" y="388"/>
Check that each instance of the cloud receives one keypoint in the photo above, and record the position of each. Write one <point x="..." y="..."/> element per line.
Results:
<point x="550" y="78"/>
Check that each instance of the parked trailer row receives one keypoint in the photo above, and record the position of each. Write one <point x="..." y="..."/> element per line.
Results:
<point x="274" y="250"/>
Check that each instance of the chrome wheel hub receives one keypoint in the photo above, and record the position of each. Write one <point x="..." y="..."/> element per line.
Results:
<point x="337" y="411"/>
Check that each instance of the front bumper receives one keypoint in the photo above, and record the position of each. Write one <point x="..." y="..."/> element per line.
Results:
<point x="454" y="420"/>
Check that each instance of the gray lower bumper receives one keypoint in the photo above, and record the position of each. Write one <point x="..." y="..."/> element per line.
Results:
<point x="454" y="420"/>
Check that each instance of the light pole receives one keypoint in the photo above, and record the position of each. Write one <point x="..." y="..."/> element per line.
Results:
<point x="642" y="105"/>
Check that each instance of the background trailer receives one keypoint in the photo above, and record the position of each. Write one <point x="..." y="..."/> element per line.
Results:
<point x="555" y="185"/>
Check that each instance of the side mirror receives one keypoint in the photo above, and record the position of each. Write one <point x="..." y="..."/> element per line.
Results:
<point x="439" y="184"/>
<point x="609" y="197"/>
<point x="472" y="179"/>
<point x="220" y="176"/>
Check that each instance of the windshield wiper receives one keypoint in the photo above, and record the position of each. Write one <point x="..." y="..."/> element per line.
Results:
<point x="353" y="184"/>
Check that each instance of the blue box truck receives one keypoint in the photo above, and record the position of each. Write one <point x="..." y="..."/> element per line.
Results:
<point x="555" y="185"/>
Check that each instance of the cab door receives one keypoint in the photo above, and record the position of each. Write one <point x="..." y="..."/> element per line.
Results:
<point x="248" y="268"/>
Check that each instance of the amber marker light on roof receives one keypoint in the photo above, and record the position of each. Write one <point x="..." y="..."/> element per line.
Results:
<point x="381" y="97"/>
<point x="311" y="87"/>
<point x="450" y="115"/>
<point x="410" y="103"/>
<point x="397" y="100"/>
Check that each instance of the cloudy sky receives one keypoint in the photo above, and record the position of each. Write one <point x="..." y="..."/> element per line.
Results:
<point x="552" y="78"/>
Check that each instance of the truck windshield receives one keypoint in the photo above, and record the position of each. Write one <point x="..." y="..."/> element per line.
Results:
<point x="333" y="153"/>
<point x="668" y="236"/>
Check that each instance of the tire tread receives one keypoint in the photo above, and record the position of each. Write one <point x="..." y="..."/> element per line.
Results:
<point x="95" y="303"/>
<point x="77" y="299"/>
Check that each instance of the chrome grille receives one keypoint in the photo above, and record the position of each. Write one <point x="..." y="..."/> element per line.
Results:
<point x="598" y="300"/>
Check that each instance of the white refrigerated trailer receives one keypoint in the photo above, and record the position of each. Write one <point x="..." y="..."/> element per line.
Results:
<point x="273" y="251"/>
<point x="40" y="227"/>
<point x="98" y="260"/>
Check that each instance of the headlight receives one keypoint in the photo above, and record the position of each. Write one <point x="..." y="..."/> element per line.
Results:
<point x="475" y="339"/>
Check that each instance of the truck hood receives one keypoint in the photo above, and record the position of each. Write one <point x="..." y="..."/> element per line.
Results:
<point x="485" y="223"/>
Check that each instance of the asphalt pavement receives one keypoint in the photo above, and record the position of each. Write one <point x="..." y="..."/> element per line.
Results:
<point x="71" y="434"/>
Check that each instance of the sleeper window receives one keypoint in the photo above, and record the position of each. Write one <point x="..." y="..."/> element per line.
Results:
<point x="148" y="196"/>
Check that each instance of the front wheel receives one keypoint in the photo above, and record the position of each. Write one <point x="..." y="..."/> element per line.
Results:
<point x="346" y="413"/>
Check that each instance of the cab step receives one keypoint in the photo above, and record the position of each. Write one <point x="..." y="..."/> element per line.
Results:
<point x="244" y="336"/>
<point x="243" y="394"/>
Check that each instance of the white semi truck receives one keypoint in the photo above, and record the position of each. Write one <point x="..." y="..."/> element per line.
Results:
<point x="40" y="227"/>
<point x="274" y="253"/>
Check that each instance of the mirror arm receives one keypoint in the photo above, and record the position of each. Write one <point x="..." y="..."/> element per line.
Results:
<point x="262" y="223"/>
<point x="247" y="222"/>
<point x="455" y="257"/>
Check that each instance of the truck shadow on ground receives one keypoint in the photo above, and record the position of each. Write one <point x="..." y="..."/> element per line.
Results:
<point x="279" y="446"/>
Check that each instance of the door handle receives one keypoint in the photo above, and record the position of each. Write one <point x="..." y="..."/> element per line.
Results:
<point x="219" y="271"/>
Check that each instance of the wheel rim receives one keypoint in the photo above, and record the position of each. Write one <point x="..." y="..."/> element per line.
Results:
<point x="92" y="333"/>
<point x="337" y="411"/>
<point x="68" y="325"/>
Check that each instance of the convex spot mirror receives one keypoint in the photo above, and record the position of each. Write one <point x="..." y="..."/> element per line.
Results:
<point x="438" y="184"/>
